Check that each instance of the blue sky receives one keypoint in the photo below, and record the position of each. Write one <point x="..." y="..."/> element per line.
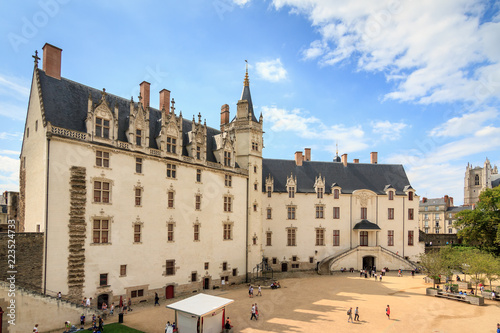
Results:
<point x="416" y="81"/>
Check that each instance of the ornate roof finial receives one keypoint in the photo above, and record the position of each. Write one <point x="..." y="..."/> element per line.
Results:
<point x="246" y="82"/>
<point x="140" y="97"/>
<point x="199" y="117"/>
<point x="172" y="108"/>
<point x="36" y="57"/>
<point x="103" y="94"/>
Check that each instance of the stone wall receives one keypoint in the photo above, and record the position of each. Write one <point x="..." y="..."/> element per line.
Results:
<point x="28" y="255"/>
<point x="438" y="239"/>
<point x="22" y="197"/>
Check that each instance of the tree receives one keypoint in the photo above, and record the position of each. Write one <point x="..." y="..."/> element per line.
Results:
<point x="480" y="226"/>
<point x="492" y="271"/>
<point x="432" y="264"/>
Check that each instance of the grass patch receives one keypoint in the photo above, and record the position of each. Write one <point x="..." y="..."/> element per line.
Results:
<point x="119" y="328"/>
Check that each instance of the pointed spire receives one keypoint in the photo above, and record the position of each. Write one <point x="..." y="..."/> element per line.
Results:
<point x="199" y="117"/>
<point x="36" y="58"/>
<point x="172" y="108"/>
<point x="246" y="82"/>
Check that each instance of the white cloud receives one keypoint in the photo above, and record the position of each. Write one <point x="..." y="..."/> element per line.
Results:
<point x="9" y="173"/>
<point x="9" y="85"/>
<point x="9" y="152"/>
<point x="433" y="51"/>
<point x="11" y="136"/>
<point x="241" y="2"/>
<point x="388" y="130"/>
<point x="350" y="139"/>
<point x="271" y="70"/>
<point x="466" y="124"/>
<point x="12" y="111"/>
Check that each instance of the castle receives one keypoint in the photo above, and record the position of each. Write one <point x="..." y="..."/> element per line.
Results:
<point x="477" y="179"/>
<point x="134" y="200"/>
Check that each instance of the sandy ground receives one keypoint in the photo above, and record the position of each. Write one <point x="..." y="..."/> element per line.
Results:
<point x="314" y="303"/>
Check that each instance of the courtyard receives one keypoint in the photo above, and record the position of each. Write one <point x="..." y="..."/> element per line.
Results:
<point x="313" y="303"/>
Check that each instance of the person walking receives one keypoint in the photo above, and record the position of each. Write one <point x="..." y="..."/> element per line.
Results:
<point x="100" y="323"/>
<point x="157" y="299"/>
<point x="227" y="325"/>
<point x="349" y="314"/>
<point x="388" y="312"/>
<point x="256" y="311"/>
<point x="82" y="321"/>
<point x="356" y="314"/>
<point x="35" y="329"/>
<point x="259" y="292"/>
<point x="129" y="304"/>
<point x="169" y="328"/>
<point x="253" y="313"/>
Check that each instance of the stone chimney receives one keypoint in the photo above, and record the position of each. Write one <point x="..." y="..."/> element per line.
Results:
<point x="145" y="87"/>
<point x="52" y="60"/>
<point x="424" y="200"/>
<point x="344" y="159"/>
<point x="373" y="157"/>
<point x="356" y="160"/>
<point x="224" y="115"/>
<point x="298" y="158"/>
<point x="307" y="152"/>
<point x="165" y="100"/>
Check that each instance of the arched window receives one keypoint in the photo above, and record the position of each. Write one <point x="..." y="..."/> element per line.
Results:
<point x="476" y="180"/>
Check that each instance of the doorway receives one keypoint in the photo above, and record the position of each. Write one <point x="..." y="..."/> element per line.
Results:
<point x="169" y="292"/>
<point x="284" y="267"/>
<point x="102" y="299"/>
<point x="206" y="283"/>
<point x="368" y="262"/>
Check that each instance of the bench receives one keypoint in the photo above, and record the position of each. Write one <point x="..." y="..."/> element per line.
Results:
<point x="453" y="296"/>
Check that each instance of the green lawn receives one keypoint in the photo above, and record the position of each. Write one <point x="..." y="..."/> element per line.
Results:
<point x="119" y="328"/>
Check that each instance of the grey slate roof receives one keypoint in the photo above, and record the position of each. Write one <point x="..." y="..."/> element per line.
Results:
<point x="458" y="209"/>
<point x="495" y="180"/>
<point x="432" y="202"/>
<point x="66" y="104"/>
<point x="366" y="225"/>
<point x="245" y="95"/>
<point x="354" y="176"/>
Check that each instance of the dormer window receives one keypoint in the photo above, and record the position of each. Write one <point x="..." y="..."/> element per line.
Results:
<point x="102" y="128"/>
<point x="198" y="152"/>
<point x="227" y="158"/>
<point x="319" y="193"/>
<point x="391" y="195"/>
<point x="291" y="191"/>
<point x="410" y="196"/>
<point x="336" y="193"/>
<point x="138" y="137"/>
<point x="171" y="145"/>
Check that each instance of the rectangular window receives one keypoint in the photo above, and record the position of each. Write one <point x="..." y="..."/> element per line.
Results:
<point x="170" y="232"/>
<point x="235" y="272"/>
<point x="123" y="270"/>
<point x="390" y="237"/>
<point x="100" y="231"/>
<point x="269" y="213"/>
<point x="196" y="230"/>
<point x="137" y="233"/>
<point x="103" y="279"/>
<point x="391" y="195"/>
<point x="137" y="293"/>
<point x="410" y="237"/>
<point x="320" y="193"/>
<point x="269" y="238"/>
<point x="410" y="196"/>
<point x="138" y="165"/>
<point x="198" y="175"/>
<point x="170" y="199"/>
<point x="224" y="266"/>
<point x="206" y="265"/>
<point x="228" y="180"/>
<point x="336" y="212"/>
<point x="171" y="145"/>
<point x="311" y="260"/>
<point x="227" y="204"/>
<point x="255" y="186"/>
<point x="336" y="193"/>
<point x="363" y="238"/>
<point x="390" y="213"/>
<point x="320" y="212"/>
<point x="171" y="170"/>
<point x="410" y="213"/>
<point x="101" y="191"/>
<point x="170" y="267"/>
<point x="450" y="230"/>
<point x="269" y="191"/>
<point x="198" y="152"/>
<point x="138" y="196"/>
<point x="320" y="237"/>
<point x="291" y="192"/>
<point x="138" y="137"/>
<point x="336" y="237"/>
<point x="36" y="125"/>
<point x="102" y="159"/>
<point x="102" y="128"/>
<point x="197" y="202"/>
<point x="291" y="241"/>
<point x="275" y="261"/>
<point x="194" y="277"/>
<point x="291" y="212"/>
<point x="227" y="234"/>
<point x="364" y="213"/>
<point x="227" y="158"/>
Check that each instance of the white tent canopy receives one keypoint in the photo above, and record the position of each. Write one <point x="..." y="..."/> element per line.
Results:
<point x="189" y="311"/>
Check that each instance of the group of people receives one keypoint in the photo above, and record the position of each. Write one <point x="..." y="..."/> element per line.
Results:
<point x="255" y="312"/>
<point x="275" y="285"/>
<point x="344" y="269"/>
<point x="170" y="328"/>
<point x="97" y="323"/>
<point x="349" y="315"/>
<point x="250" y="291"/>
